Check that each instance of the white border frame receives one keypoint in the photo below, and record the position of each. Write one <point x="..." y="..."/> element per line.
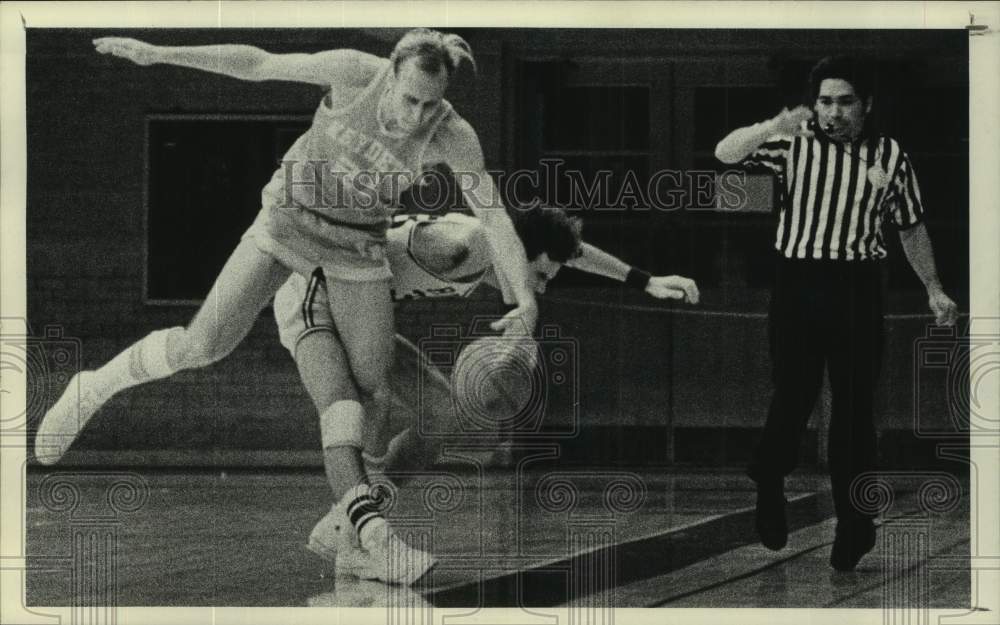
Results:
<point x="984" y="233"/>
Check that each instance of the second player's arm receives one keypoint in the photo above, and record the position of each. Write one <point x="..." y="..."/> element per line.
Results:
<point x="597" y="261"/>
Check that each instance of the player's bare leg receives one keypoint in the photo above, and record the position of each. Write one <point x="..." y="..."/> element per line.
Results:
<point x="362" y="312"/>
<point x="423" y="394"/>
<point x="325" y="372"/>
<point x="245" y="284"/>
<point x="399" y="452"/>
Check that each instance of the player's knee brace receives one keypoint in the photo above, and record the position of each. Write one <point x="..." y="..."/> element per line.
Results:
<point x="149" y="359"/>
<point x="342" y="424"/>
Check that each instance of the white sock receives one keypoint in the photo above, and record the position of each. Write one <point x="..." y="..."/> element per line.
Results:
<point x="144" y="360"/>
<point x="363" y="512"/>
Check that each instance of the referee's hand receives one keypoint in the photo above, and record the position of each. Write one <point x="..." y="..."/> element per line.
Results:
<point x="793" y="122"/>
<point x="944" y="309"/>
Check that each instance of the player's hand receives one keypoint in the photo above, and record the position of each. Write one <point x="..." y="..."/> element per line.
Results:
<point x="138" y="52"/>
<point x="944" y="309"/>
<point x="793" y="122"/>
<point x="521" y="352"/>
<point x="520" y="321"/>
<point x="673" y="287"/>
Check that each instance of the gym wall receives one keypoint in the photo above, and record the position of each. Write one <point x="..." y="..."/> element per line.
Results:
<point x="658" y="383"/>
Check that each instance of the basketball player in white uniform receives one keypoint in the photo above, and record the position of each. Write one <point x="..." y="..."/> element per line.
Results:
<point x="430" y="257"/>
<point x="327" y="206"/>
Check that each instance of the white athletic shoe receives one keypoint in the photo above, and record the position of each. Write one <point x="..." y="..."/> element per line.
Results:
<point x="387" y="558"/>
<point x="333" y="535"/>
<point x="64" y="420"/>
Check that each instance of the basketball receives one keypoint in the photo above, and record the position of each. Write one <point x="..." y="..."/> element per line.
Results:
<point x="496" y="384"/>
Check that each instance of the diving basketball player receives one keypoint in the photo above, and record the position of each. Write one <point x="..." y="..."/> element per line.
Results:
<point x="327" y="206"/>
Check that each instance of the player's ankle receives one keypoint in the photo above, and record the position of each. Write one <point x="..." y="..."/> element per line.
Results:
<point x="363" y="512"/>
<point x="372" y="532"/>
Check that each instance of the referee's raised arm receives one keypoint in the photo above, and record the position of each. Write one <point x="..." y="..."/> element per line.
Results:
<point x="742" y="142"/>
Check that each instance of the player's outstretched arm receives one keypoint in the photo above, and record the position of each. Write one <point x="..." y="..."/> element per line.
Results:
<point x="741" y="142"/>
<point x="597" y="261"/>
<point x="244" y="62"/>
<point x="465" y="157"/>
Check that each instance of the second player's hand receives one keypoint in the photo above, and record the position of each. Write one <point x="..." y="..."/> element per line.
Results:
<point x="673" y="287"/>
<point x="520" y="321"/>
<point x="139" y="52"/>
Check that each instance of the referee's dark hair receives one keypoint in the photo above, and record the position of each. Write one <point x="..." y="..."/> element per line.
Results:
<point x="549" y="230"/>
<point x="848" y="68"/>
<point x="856" y="72"/>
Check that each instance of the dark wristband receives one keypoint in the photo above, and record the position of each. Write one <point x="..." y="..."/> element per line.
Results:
<point x="637" y="278"/>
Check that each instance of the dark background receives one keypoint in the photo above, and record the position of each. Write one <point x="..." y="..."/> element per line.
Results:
<point x="142" y="179"/>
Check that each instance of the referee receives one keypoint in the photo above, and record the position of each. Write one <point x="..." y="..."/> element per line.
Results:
<point x="841" y="182"/>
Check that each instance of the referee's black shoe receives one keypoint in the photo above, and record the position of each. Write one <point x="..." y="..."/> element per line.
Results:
<point x="772" y="527"/>
<point x="852" y="541"/>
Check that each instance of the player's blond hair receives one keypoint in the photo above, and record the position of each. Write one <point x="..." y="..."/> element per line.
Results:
<point x="433" y="49"/>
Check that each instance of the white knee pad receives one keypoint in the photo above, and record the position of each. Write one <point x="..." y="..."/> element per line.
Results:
<point x="149" y="356"/>
<point x="342" y="424"/>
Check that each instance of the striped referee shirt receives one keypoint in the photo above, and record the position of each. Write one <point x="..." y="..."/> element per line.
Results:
<point x="837" y="195"/>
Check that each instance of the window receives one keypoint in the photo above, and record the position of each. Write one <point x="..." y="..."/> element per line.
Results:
<point x="204" y="180"/>
<point x="589" y="130"/>
<point x="205" y="175"/>
<point x="717" y="111"/>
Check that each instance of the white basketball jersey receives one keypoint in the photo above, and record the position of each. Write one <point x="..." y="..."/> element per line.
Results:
<point x="411" y="279"/>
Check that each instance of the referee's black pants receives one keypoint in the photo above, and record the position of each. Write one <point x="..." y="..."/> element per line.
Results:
<point x="823" y="313"/>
